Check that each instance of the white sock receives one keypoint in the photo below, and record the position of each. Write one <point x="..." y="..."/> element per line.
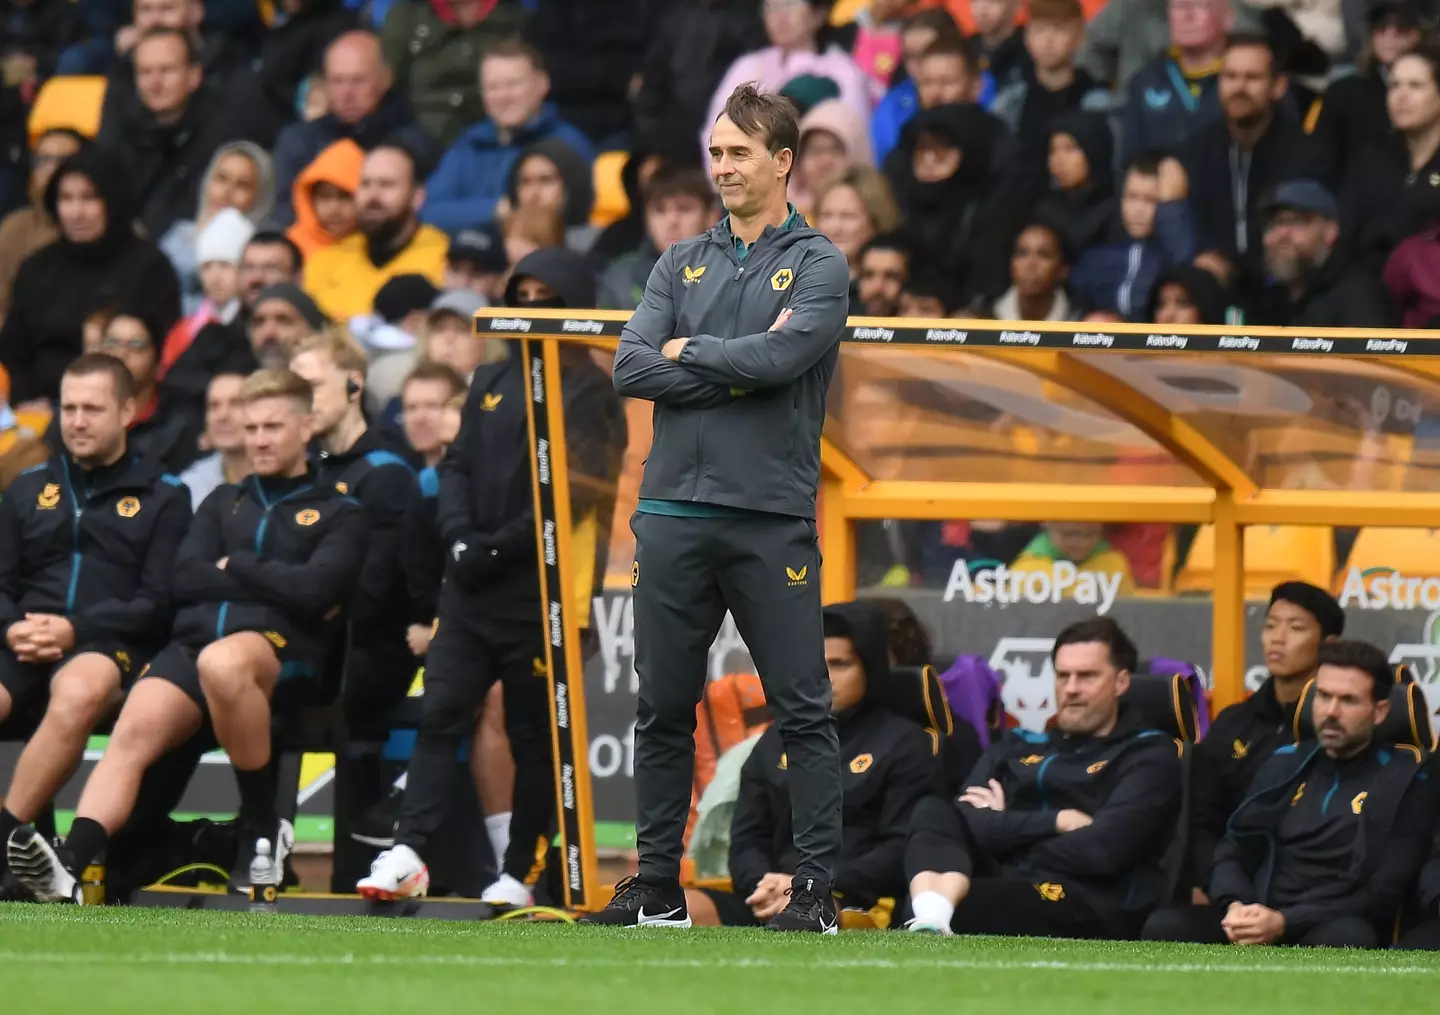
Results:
<point x="400" y="782"/>
<point x="497" y="827"/>
<point x="932" y="909"/>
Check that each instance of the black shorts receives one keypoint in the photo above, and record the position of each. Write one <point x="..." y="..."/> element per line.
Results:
<point x="28" y="684"/>
<point x="177" y="664"/>
<point x="731" y="908"/>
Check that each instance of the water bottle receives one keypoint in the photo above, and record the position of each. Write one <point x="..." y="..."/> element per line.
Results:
<point x="264" y="880"/>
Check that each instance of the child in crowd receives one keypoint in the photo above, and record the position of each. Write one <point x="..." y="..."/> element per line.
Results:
<point x="324" y="197"/>
<point x="1050" y="85"/>
<point x="1001" y="41"/>
<point x="221" y="243"/>
<point x="1082" y="545"/>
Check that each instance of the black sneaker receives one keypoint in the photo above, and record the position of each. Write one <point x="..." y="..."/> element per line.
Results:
<point x="376" y="826"/>
<point x="643" y="904"/>
<point x="811" y="908"/>
<point x="45" y="870"/>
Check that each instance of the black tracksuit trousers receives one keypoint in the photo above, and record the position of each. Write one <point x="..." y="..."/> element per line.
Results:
<point x="1202" y="925"/>
<point x="466" y="657"/>
<point x="765" y="569"/>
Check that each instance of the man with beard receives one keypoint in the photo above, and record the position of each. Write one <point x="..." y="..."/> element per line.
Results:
<point x="390" y="241"/>
<point x="1234" y="162"/>
<point x="883" y="271"/>
<point x="1325" y="847"/>
<point x="1314" y="285"/>
<point x="282" y="318"/>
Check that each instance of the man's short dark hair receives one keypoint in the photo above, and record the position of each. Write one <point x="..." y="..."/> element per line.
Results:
<point x="430" y="370"/>
<point x="1244" y="40"/>
<point x="394" y="143"/>
<point x="961" y="47"/>
<point x="1103" y="631"/>
<point x="1352" y="654"/>
<point x="275" y="238"/>
<point x="103" y="363"/>
<point x="192" y="50"/>
<point x="898" y="242"/>
<point x="935" y="19"/>
<point x="1146" y="163"/>
<point x="671" y="180"/>
<point x="769" y="116"/>
<point x="514" y="46"/>
<point x="931" y="282"/>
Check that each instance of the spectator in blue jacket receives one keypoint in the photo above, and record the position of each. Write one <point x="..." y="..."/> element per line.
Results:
<point x="363" y="108"/>
<point x="1179" y="89"/>
<point x="1151" y="233"/>
<point x="474" y="174"/>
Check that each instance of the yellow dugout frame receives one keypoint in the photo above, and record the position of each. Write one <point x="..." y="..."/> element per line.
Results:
<point x="1227" y="497"/>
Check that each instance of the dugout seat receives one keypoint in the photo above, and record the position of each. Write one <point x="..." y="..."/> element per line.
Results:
<point x="915" y="692"/>
<point x="1167" y="703"/>
<point x="72" y="102"/>
<point x="611" y="201"/>
<point x="1273" y="554"/>
<point x="1407" y="724"/>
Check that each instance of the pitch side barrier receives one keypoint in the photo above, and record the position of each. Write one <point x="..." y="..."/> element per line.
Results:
<point x="1219" y="488"/>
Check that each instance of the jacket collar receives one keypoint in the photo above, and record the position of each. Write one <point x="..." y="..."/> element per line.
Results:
<point x="486" y="135"/>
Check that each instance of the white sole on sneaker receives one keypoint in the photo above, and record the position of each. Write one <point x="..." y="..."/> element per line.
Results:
<point x="663" y="920"/>
<point x="416" y="886"/>
<point x="38" y="868"/>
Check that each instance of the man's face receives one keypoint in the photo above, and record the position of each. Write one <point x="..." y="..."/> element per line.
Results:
<point x="1196" y="24"/>
<point x="792" y="24"/>
<point x="263" y="265"/>
<point x="277" y="435"/>
<point x="992" y="17"/>
<point x="745" y="173"/>
<point x="883" y="274"/>
<point x="1138" y="203"/>
<point x="224" y="413"/>
<point x="1345" y="714"/>
<point x="388" y="197"/>
<point x="847" y="674"/>
<point x="1088" y="686"/>
<point x="530" y="290"/>
<point x="164" y="76"/>
<point x="915" y="41"/>
<point x="276" y="328"/>
<point x="1037" y="265"/>
<point x="944" y="78"/>
<point x="327" y="385"/>
<point x="512" y="90"/>
<point x="1053" y="44"/>
<point x="355" y="81"/>
<point x="181" y="14"/>
<point x="462" y="274"/>
<point x="92" y="418"/>
<point x="1290" y="640"/>
<point x="450" y="339"/>
<point x="127" y="340"/>
<point x="1075" y="540"/>
<point x="1297" y="244"/>
<point x="1249" y="88"/>
<point x="422" y="414"/>
<point x="668" y="220"/>
<point x="540" y="185"/>
<point x="80" y="209"/>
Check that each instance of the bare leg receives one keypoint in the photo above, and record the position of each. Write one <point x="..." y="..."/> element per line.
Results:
<point x="491" y="764"/>
<point x="954" y="887"/>
<point x="80" y="694"/>
<point x="702" y="910"/>
<point x="238" y="674"/>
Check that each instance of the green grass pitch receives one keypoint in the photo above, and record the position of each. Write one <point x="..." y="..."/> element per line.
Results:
<point x="55" y="961"/>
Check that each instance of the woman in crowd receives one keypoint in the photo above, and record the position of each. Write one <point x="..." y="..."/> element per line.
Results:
<point x="1039" y="265"/>
<point x="833" y="138"/>
<point x="854" y="209"/>
<point x="26" y="230"/>
<point x="97" y="260"/>
<point x="550" y="176"/>
<point x="1080" y="199"/>
<point x="1187" y="295"/>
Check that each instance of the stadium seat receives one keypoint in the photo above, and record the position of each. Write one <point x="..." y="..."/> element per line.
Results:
<point x="1414" y="551"/>
<point x="1273" y="554"/>
<point x="1407" y="724"/>
<point x="915" y="692"/>
<point x="1167" y="703"/>
<point x="72" y="102"/>
<point x="611" y="201"/>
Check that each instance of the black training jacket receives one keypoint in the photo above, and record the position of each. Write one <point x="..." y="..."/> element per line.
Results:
<point x="1393" y="806"/>
<point x="486" y="513"/>
<point x="295" y="549"/>
<point x="422" y="552"/>
<point x="1430" y="877"/>
<point x="1239" y="741"/>
<point x="98" y="547"/>
<point x="1129" y="783"/>
<point x="376" y="473"/>
<point x="738" y="417"/>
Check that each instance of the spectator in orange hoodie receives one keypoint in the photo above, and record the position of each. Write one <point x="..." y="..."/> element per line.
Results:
<point x="324" y="197"/>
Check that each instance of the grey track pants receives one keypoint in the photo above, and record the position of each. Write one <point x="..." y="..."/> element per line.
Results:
<point x="765" y="569"/>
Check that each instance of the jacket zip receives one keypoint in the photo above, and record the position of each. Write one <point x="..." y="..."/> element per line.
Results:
<point x="75" y="547"/>
<point x="1132" y="269"/>
<point x="259" y="541"/>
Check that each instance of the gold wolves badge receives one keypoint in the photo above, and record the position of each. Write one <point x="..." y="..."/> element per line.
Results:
<point x="634" y="574"/>
<point x="1032" y="759"/>
<point x="490" y="402"/>
<point x="861" y="762"/>
<point x="1238" y="750"/>
<point x="1096" y="768"/>
<point x="275" y="638"/>
<point x="692" y="275"/>
<point x="1299" y="792"/>
<point x="780" y="281"/>
<point x="342" y="488"/>
<point x="307" y="517"/>
<point x="49" y="497"/>
<point x="122" y="659"/>
<point x="1358" y="804"/>
<point x="128" y="507"/>
<point x="784" y="762"/>
<point x="797" y="577"/>
<point x="1050" y="891"/>
<point x="538" y="668"/>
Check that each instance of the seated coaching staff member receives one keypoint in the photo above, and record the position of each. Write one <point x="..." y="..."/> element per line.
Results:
<point x="1060" y="833"/>
<point x="258" y="579"/>
<point x="87" y="550"/>
<point x="1300" y="619"/>
<point x="735" y="343"/>
<point x="887" y="765"/>
<point x="1325" y="847"/>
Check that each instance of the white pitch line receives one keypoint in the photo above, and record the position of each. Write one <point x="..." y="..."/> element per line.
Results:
<point x="997" y="965"/>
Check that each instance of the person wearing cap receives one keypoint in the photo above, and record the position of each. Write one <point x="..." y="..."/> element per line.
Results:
<point x="476" y="261"/>
<point x="391" y="334"/>
<point x="1313" y="284"/>
<point x="1300" y="618"/>
<point x="489" y="626"/>
<point x="217" y="252"/>
<point x="282" y="316"/>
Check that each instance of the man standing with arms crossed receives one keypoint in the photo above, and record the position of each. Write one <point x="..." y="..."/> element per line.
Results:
<point x="735" y="342"/>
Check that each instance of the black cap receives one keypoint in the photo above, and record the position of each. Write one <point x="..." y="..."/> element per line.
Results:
<point x="481" y="246"/>
<point x="1302" y="195"/>
<point x="1404" y="13"/>
<point x="403" y="295"/>
<point x="1315" y="601"/>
